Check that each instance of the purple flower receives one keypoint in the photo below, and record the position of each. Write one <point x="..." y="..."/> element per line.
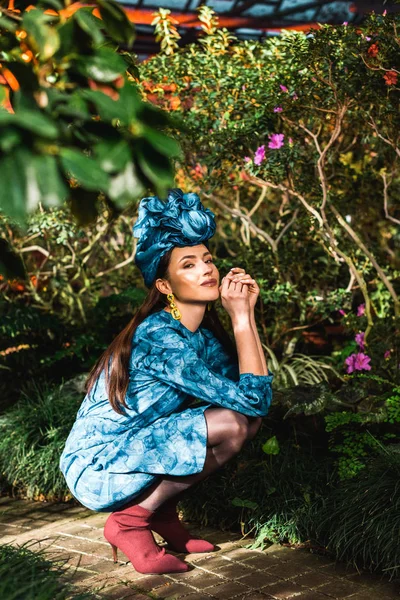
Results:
<point x="259" y="155"/>
<point x="276" y="141"/>
<point x="247" y="159"/>
<point x="360" y="339"/>
<point x="342" y="312"/>
<point x="358" y="362"/>
<point x="283" y="88"/>
<point x="360" y="310"/>
<point x="278" y="109"/>
<point x="387" y="354"/>
<point x="367" y="38"/>
<point x="345" y="23"/>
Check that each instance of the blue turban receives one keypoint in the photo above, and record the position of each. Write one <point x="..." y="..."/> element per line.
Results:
<point x="180" y="221"/>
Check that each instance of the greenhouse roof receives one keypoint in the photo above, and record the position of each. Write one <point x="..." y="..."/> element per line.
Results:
<point x="248" y="19"/>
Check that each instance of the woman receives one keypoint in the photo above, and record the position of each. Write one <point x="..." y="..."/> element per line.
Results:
<point x="140" y="439"/>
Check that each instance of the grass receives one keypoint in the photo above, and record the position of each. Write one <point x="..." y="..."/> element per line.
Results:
<point x="32" y="436"/>
<point x="35" y="575"/>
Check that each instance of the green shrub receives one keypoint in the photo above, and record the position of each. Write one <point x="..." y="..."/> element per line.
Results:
<point x="33" y="575"/>
<point x="359" y="521"/>
<point x="32" y="436"/>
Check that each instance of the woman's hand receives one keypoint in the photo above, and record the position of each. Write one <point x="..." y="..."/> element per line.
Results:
<point x="235" y="300"/>
<point x="237" y="274"/>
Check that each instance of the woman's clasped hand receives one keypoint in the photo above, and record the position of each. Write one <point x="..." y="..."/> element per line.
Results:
<point x="239" y="292"/>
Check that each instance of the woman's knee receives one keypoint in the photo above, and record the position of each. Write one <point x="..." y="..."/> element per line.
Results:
<point x="225" y="424"/>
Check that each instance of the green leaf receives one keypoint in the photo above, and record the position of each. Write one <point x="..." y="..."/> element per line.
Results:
<point x="113" y="155"/>
<point x="53" y="190"/>
<point x="244" y="503"/>
<point x="8" y="24"/>
<point x="11" y="265"/>
<point x="85" y="170"/>
<point x="107" y="108"/>
<point x="271" y="446"/>
<point x="13" y="192"/>
<point x="155" y="166"/>
<point x="89" y="24"/>
<point x="116" y="22"/>
<point x="56" y="4"/>
<point x="42" y="38"/>
<point x="9" y="138"/>
<point x="37" y="123"/>
<point x="161" y="142"/>
<point x="125" y="186"/>
<point x="105" y="65"/>
<point x="83" y="205"/>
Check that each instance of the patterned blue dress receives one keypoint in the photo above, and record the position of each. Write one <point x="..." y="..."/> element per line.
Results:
<point x="109" y="458"/>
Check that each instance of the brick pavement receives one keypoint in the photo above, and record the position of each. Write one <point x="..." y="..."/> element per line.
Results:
<point x="233" y="571"/>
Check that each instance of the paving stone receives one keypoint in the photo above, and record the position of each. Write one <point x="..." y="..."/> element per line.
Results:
<point x="314" y="595"/>
<point x="172" y="590"/>
<point x="338" y="568"/>
<point x="258" y="579"/>
<point x="339" y="588"/>
<point x="242" y="554"/>
<point x="234" y="570"/>
<point x="283" y="589"/>
<point x="264" y="562"/>
<point x="206" y="580"/>
<point x="150" y="582"/>
<point x="289" y="570"/>
<point x="312" y="579"/>
<point x="225" y="591"/>
<point x="255" y="596"/>
<point x="197" y="596"/>
<point x="119" y="592"/>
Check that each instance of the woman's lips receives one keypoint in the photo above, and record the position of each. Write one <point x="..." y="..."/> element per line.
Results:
<point x="210" y="283"/>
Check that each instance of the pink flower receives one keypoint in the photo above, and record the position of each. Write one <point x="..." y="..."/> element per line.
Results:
<point x="387" y="354"/>
<point x="367" y="38"/>
<point x="247" y="159"/>
<point x="342" y="312"/>
<point x="358" y="362"/>
<point x="345" y="23"/>
<point x="259" y="155"/>
<point x="278" y="109"/>
<point x="360" y="339"/>
<point x="283" y="88"/>
<point x="276" y="141"/>
<point x="360" y="310"/>
<point x="384" y="13"/>
<point x="295" y="96"/>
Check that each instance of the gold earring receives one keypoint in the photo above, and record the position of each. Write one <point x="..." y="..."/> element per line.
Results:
<point x="209" y="306"/>
<point x="174" y="309"/>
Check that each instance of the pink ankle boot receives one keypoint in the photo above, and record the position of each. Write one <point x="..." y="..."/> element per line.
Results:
<point x="129" y="530"/>
<point x="166" y="523"/>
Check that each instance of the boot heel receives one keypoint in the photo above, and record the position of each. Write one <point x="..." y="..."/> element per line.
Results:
<point x="114" y="552"/>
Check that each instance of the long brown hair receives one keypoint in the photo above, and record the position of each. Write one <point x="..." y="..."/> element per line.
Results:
<point x="115" y="360"/>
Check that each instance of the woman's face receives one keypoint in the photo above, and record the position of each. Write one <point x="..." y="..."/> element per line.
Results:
<point x="189" y="268"/>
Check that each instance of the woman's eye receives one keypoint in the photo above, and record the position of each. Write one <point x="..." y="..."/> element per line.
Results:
<point x="191" y="264"/>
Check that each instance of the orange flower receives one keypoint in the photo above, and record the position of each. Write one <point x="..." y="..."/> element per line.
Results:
<point x="174" y="103"/>
<point x="390" y="77"/>
<point x="373" y="50"/>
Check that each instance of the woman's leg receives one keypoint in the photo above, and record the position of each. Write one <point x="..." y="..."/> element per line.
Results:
<point x="227" y="431"/>
<point x="130" y="528"/>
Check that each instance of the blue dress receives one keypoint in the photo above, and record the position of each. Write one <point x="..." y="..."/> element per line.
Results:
<point x="109" y="458"/>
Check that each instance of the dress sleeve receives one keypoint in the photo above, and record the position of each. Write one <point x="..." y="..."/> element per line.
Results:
<point x="168" y="356"/>
<point x="218" y="359"/>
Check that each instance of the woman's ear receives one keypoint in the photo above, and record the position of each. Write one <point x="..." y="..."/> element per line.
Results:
<point x="163" y="286"/>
